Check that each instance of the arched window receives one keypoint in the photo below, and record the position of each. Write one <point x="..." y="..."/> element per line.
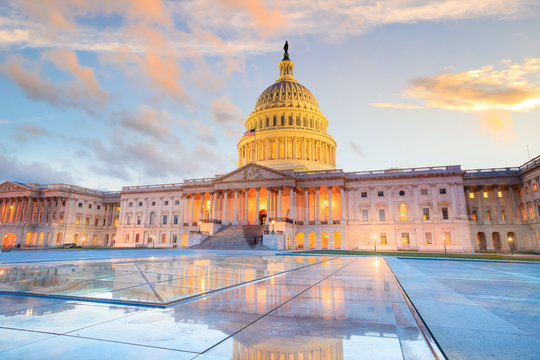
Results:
<point x="274" y="123"/>
<point x="312" y="240"/>
<point x="298" y="121"/>
<point x="267" y="122"/>
<point x="324" y="240"/>
<point x="152" y="217"/>
<point x="403" y="212"/>
<point x="290" y="121"/>
<point x="282" y="120"/>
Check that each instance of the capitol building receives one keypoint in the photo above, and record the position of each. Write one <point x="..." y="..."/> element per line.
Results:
<point x="287" y="194"/>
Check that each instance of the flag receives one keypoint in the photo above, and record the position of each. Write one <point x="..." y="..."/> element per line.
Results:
<point x="250" y="132"/>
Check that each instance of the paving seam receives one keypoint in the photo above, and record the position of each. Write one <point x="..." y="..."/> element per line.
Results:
<point x="149" y="284"/>
<point x="274" y="309"/>
<point x="505" y="272"/>
<point x="431" y="341"/>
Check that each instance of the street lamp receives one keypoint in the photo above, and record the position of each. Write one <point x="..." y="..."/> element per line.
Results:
<point x="375" y="242"/>
<point x="444" y="243"/>
<point x="200" y="226"/>
<point x="273" y="222"/>
<point x="510" y="244"/>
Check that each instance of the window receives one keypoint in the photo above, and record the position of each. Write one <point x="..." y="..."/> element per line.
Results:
<point x="471" y="195"/>
<point x="153" y="203"/>
<point x="531" y="213"/>
<point x="116" y="222"/>
<point x="140" y="203"/>
<point x="177" y="202"/>
<point x="80" y="204"/>
<point x="474" y="217"/>
<point x="118" y="208"/>
<point x="166" y="202"/>
<point x="426" y="213"/>
<point x="423" y="191"/>
<point x="89" y="206"/>
<point x="99" y="207"/>
<point x="127" y="238"/>
<point x="380" y="193"/>
<point x="486" y="195"/>
<point x="163" y="237"/>
<point x="403" y="212"/>
<point x="365" y="215"/>
<point x="174" y="238"/>
<point x="175" y="221"/>
<point x="405" y="238"/>
<point x="96" y="222"/>
<point x="428" y="238"/>
<point x="447" y="238"/>
<point x="152" y="217"/>
<point x="383" y="238"/>
<point x="363" y="194"/>
<point x="381" y="215"/>
<point x="526" y="189"/>
<point x="401" y="193"/>
<point x="164" y="219"/>
<point x="442" y="191"/>
<point x="445" y="213"/>
<point x="503" y="215"/>
<point x="488" y="215"/>
<point x="130" y="204"/>
<point x="499" y="194"/>
<point x="138" y="220"/>
<point x="535" y="187"/>
<point x="136" y="238"/>
<point x="78" y="220"/>
<point x="129" y="220"/>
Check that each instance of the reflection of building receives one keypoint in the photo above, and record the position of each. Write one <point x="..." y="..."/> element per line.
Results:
<point x="287" y="174"/>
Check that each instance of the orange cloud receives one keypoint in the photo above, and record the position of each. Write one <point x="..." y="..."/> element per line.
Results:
<point x="265" y="20"/>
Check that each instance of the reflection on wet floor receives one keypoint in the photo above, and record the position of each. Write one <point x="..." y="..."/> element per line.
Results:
<point x="338" y="308"/>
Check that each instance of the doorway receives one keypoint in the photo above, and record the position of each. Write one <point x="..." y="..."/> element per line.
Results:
<point x="8" y="241"/>
<point x="496" y="241"/>
<point x="262" y="217"/>
<point x="482" y="244"/>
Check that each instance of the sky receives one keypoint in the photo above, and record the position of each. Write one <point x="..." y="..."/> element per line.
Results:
<point x="105" y="94"/>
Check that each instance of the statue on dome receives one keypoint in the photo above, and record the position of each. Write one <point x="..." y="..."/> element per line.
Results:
<point x="286" y="48"/>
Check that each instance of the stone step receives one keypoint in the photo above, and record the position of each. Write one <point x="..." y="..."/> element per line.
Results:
<point x="235" y="237"/>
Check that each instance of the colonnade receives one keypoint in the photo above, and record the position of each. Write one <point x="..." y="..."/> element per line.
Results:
<point x="285" y="147"/>
<point x="31" y="210"/>
<point x="237" y="207"/>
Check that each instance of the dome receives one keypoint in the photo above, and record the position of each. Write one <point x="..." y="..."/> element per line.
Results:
<point x="287" y="130"/>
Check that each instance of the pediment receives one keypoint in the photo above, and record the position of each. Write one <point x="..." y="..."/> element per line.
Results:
<point x="12" y="186"/>
<point x="253" y="172"/>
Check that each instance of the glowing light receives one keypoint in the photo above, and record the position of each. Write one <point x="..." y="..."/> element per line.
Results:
<point x="325" y="202"/>
<point x="207" y="202"/>
<point x="1" y="272"/>
<point x="273" y="222"/>
<point x="11" y="207"/>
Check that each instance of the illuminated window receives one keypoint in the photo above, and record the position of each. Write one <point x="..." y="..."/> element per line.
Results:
<point x="428" y="238"/>
<point x="488" y="215"/>
<point x="136" y="238"/>
<point x="383" y="238"/>
<point x="474" y="215"/>
<point x="405" y="238"/>
<point x="163" y="237"/>
<point x="445" y="213"/>
<point x="96" y="222"/>
<point x="535" y="187"/>
<point x="78" y="220"/>
<point x="471" y="195"/>
<point x="448" y="238"/>
<point x="403" y="212"/>
<point x="499" y="194"/>
<point x="87" y="221"/>
<point x="485" y="195"/>
<point x="523" y="214"/>
<point x="503" y="215"/>
<point x="531" y="213"/>
<point x="426" y="213"/>
<point x="116" y="222"/>
<point x="527" y="189"/>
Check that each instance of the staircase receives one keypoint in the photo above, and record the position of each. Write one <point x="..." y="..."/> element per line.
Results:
<point x="238" y="237"/>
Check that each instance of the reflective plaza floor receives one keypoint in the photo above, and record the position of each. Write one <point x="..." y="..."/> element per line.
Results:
<point x="208" y="307"/>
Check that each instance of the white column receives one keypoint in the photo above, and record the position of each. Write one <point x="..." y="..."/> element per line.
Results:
<point x="225" y="201"/>
<point x="292" y="212"/>
<point x="279" y="214"/>
<point x="192" y="212"/>
<point x="342" y="201"/>
<point x="270" y="201"/>
<point x="306" y="209"/>
<point x="256" y="205"/>
<point x="201" y="207"/>
<point x="246" y="206"/>
<point x="330" y="218"/>
<point x="213" y="214"/>
<point x="235" y="213"/>
<point x="318" y="208"/>
<point x="512" y="201"/>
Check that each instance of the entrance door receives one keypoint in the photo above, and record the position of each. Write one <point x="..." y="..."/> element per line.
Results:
<point x="8" y="241"/>
<point x="482" y="245"/>
<point x="262" y="217"/>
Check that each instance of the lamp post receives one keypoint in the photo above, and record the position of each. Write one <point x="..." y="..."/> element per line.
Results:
<point x="375" y="242"/>
<point x="200" y="226"/>
<point x="510" y="244"/>
<point x="444" y="243"/>
<point x="273" y="222"/>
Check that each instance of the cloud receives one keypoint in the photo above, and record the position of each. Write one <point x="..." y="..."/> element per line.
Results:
<point x="397" y="106"/>
<point x="13" y="169"/>
<point x="357" y="148"/>
<point x="490" y="93"/>
<point x="148" y="121"/>
<point x="224" y="112"/>
<point x="82" y="92"/>
<point x="24" y="131"/>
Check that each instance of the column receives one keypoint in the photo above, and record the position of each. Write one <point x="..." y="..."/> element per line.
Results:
<point x="292" y="210"/>
<point x="213" y="213"/>
<point x="224" y="215"/>
<point x="256" y="205"/>
<point x="330" y="218"/>
<point x="246" y="205"/>
<point x="318" y="207"/>
<point x="183" y="209"/>
<point x="201" y="207"/>
<point x="342" y="201"/>
<point x="270" y="196"/>
<point x="496" y="215"/>
<point x="192" y="212"/>
<point x="511" y="191"/>
<point x="306" y="209"/>
<point x="2" y="208"/>
<point x="279" y="210"/>
<point x="235" y="213"/>
<point x="295" y="154"/>
<point x="482" y="211"/>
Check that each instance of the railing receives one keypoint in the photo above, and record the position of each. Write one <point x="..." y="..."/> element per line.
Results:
<point x="406" y="171"/>
<point x="504" y="171"/>
<point x="80" y="189"/>
<point x="152" y="187"/>
<point x="320" y="173"/>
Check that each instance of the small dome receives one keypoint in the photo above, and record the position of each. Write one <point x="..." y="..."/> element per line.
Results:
<point x="283" y="92"/>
